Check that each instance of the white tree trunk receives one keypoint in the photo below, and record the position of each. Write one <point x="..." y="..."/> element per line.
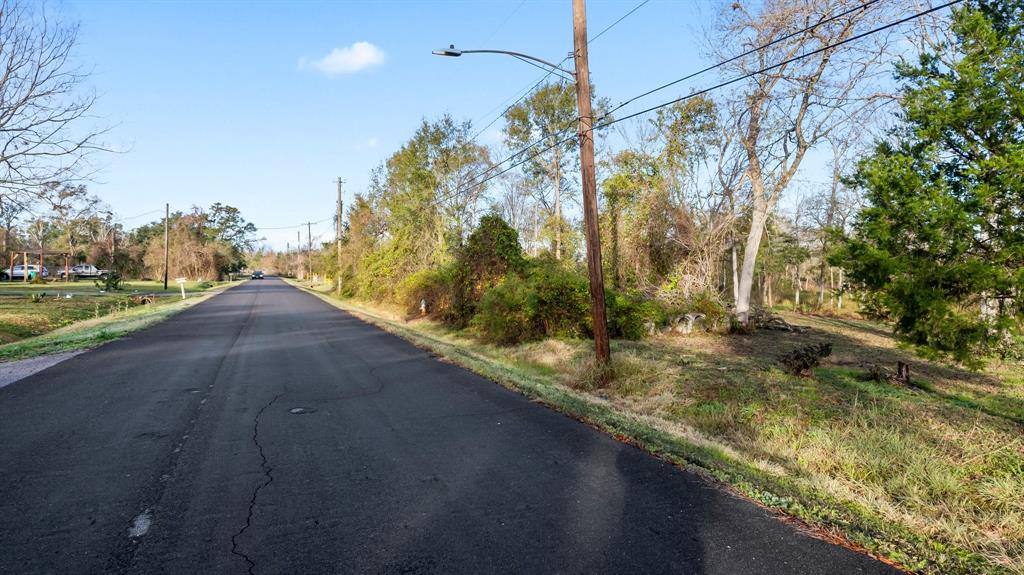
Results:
<point x="840" y="288"/>
<point x="831" y="287"/>
<point x="759" y="218"/>
<point x="735" y="275"/>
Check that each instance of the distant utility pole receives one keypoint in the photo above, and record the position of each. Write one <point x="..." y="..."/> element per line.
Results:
<point x="309" y="248"/>
<point x="337" y="236"/>
<point x="167" y="218"/>
<point x="298" y="252"/>
<point x="590" y="217"/>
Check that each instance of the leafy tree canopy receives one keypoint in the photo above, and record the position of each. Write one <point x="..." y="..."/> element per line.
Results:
<point x="941" y="244"/>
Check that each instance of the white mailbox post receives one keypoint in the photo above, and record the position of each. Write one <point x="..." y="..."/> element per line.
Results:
<point x="181" y="282"/>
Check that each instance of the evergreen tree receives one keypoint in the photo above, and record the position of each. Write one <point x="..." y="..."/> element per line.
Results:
<point x="941" y="244"/>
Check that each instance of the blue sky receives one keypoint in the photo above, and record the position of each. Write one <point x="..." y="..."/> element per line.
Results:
<point x="235" y="102"/>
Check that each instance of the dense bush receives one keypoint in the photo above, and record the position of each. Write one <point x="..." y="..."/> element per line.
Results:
<point x="552" y="300"/>
<point x="504" y="316"/>
<point x="561" y="299"/>
<point x="629" y="315"/>
<point x="436" y="287"/>
<point x="490" y="253"/>
<point x="548" y="300"/>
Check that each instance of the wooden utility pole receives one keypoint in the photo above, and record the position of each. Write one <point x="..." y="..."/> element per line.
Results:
<point x="167" y="219"/>
<point x="590" y="218"/>
<point x="298" y="253"/>
<point x="309" y="248"/>
<point x="337" y="236"/>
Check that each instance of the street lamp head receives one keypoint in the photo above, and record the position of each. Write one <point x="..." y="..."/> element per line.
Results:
<point x="449" y="51"/>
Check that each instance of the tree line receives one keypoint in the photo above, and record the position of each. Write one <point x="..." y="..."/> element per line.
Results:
<point x="916" y="130"/>
<point x="48" y="144"/>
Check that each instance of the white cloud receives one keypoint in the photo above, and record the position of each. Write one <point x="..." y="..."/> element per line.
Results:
<point x="354" y="58"/>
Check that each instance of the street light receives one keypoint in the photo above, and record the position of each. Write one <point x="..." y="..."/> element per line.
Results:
<point x="581" y="78"/>
<point x="453" y="52"/>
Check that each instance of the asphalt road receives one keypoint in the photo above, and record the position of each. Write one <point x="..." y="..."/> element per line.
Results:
<point x="265" y="431"/>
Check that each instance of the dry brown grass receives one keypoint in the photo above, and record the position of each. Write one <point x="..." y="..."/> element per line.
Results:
<point x="945" y="460"/>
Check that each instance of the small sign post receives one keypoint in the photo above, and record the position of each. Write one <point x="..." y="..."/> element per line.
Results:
<point x="181" y="282"/>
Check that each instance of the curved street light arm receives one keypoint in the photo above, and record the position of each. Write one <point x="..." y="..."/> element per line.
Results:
<point x="565" y="74"/>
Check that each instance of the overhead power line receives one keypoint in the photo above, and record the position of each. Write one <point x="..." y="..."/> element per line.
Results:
<point x="616" y="23"/>
<point x="541" y="80"/>
<point x="303" y="224"/>
<point x="135" y="217"/>
<point x="822" y="22"/>
<point x="488" y="177"/>
<point x="779" y="64"/>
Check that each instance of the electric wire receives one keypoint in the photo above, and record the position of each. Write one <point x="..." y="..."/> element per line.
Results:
<point x="690" y="76"/>
<point x="602" y="125"/>
<point x="534" y="86"/>
<point x="779" y="64"/>
<point x="302" y="225"/>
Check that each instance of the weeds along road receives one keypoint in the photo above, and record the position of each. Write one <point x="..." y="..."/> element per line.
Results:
<point x="264" y="431"/>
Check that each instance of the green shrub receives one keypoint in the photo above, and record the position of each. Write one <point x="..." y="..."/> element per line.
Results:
<point x="109" y="282"/>
<point x="490" y="253"/>
<point x="630" y="314"/>
<point x="504" y="316"/>
<point x="436" y="287"/>
<point x="560" y="299"/>
<point x="548" y="301"/>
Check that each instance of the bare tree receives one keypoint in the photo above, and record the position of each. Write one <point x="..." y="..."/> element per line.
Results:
<point x="42" y="104"/>
<point x="513" y="205"/>
<point x="788" y="105"/>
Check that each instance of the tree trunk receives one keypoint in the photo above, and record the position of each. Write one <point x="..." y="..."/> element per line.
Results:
<point x="831" y="287"/>
<point x="735" y="275"/>
<point x="759" y="218"/>
<point x="840" y="295"/>
<point x="558" y="204"/>
<point x="796" y="295"/>
<point x="768" y="290"/>
<point x="616" y="276"/>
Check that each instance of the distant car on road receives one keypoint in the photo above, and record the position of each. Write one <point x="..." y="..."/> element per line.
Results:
<point x="18" y="272"/>
<point x="257" y="275"/>
<point x="88" y="271"/>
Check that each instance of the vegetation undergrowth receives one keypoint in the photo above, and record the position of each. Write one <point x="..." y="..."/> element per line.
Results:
<point x="922" y="476"/>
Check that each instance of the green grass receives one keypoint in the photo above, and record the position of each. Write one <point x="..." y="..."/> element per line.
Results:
<point x="53" y="324"/>
<point x="929" y="476"/>
<point x="89" y="287"/>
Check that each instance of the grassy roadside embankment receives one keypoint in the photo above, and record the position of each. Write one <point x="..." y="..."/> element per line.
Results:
<point x="51" y="322"/>
<point x="929" y="477"/>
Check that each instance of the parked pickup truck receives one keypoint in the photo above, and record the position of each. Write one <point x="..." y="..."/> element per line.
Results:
<point x="87" y="271"/>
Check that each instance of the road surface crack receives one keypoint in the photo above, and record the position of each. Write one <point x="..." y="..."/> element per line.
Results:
<point x="269" y="478"/>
